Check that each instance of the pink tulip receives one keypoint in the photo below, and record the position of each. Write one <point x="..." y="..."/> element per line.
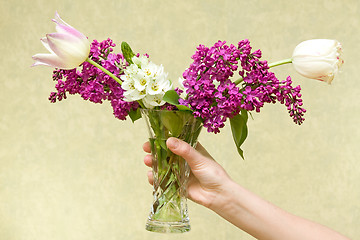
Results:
<point x="68" y="47"/>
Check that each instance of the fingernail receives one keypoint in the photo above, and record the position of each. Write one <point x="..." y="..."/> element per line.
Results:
<point x="172" y="142"/>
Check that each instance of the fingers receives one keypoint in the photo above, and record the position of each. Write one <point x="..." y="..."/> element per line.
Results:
<point x="148" y="160"/>
<point x="194" y="158"/>
<point x="203" y="151"/>
<point x="147" y="147"/>
<point x="199" y="147"/>
<point x="150" y="177"/>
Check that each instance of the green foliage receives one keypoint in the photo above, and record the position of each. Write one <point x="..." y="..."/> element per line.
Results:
<point x="172" y="97"/>
<point x="127" y="52"/>
<point x="135" y="114"/>
<point x="175" y="122"/>
<point x="239" y="130"/>
<point x="172" y="122"/>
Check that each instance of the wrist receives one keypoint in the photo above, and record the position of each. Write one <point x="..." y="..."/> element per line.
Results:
<point x="237" y="205"/>
<point x="225" y="198"/>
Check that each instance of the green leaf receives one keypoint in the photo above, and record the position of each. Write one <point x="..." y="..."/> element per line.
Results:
<point x="172" y="122"/>
<point x="239" y="130"/>
<point x="135" y="114"/>
<point x="127" y="52"/>
<point x="162" y="148"/>
<point x="172" y="97"/>
<point x="183" y="108"/>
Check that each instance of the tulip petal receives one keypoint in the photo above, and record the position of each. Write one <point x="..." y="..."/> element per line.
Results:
<point x="45" y="42"/>
<point x="313" y="68"/>
<point x="60" y="28"/>
<point x="58" y="19"/>
<point x="63" y="27"/>
<point x="318" y="59"/>
<point x="67" y="46"/>
<point x="318" y="47"/>
<point x="49" y="60"/>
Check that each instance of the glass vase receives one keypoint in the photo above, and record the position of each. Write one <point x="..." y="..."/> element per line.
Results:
<point x="169" y="213"/>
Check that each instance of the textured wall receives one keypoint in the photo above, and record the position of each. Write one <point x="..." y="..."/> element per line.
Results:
<point x="71" y="171"/>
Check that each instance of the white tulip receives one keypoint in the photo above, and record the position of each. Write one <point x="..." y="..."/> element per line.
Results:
<point x="318" y="59"/>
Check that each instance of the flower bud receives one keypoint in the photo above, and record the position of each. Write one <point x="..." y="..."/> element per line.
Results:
<point x="68" y="47"/>
<point x="318" y="59"/>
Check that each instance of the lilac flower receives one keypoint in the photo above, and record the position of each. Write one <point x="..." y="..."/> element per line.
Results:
<point x="93" y="84"/>
<point x="213" y="97"/>
<point x="262" y="86"/>
<point x="210" y="93"/>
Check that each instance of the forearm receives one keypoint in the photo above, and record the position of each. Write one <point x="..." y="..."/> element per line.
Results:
<point x="263" y="220"/>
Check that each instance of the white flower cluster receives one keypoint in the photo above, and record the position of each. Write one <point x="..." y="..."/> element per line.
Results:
<point x="143" y="80"/>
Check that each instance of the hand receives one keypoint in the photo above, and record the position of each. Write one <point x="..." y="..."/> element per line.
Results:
<point x="207" y="179"/>
<point x="210" y="186"/>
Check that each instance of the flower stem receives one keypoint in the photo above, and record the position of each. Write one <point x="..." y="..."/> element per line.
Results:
<point x="274" y="64"/>
<point x="111" y="75"/>
<point x="141" y="103"/>
<point x="104" y="70"/>
<point x="278" y="63"/>
<point x="239" y="81"/>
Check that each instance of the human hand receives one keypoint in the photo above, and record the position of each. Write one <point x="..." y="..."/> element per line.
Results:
<point x="208" y="180"/>
<point x="210" y="186"/>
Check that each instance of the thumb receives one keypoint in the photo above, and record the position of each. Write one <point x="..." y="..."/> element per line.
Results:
<point x="194" y="158"/>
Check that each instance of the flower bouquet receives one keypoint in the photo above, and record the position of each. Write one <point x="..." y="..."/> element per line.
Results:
<point x="223" y="82"/>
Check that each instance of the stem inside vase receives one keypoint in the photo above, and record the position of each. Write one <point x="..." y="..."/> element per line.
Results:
<point x="169" y="211"/>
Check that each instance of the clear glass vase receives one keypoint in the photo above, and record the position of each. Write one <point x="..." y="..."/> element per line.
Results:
<point x="169" y="213"/>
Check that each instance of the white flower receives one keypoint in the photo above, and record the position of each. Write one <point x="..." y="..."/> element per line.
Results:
<point x="181" y="82"/>
<point x="134" y="95"/>
<point x="150" y="101"/>
<point x="145" y="81"/>
<point x="131" y="93"/>
<point x="159" y="85"/>
<point x="68" y="47"/>
<point x="153" y="70"/>
<point x="140" y="61"/>
<point x="318" y="59"/>
<point x="141" y="80"/>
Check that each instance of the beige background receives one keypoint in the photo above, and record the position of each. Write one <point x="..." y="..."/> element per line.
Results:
<point x="72" y="171"/>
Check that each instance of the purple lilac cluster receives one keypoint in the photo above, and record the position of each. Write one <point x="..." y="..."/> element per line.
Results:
<point x="210" y="93"/>
<point x="94" y="85"/>
<point x="261" y="86"/>
<point x="214" y="97"/>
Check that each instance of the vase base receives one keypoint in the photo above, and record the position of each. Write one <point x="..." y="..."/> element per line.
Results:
<point x="167" y="227"/>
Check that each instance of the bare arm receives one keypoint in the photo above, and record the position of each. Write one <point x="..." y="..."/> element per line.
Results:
<point x="211" y="187"/>
<point x="263" y="220"/>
